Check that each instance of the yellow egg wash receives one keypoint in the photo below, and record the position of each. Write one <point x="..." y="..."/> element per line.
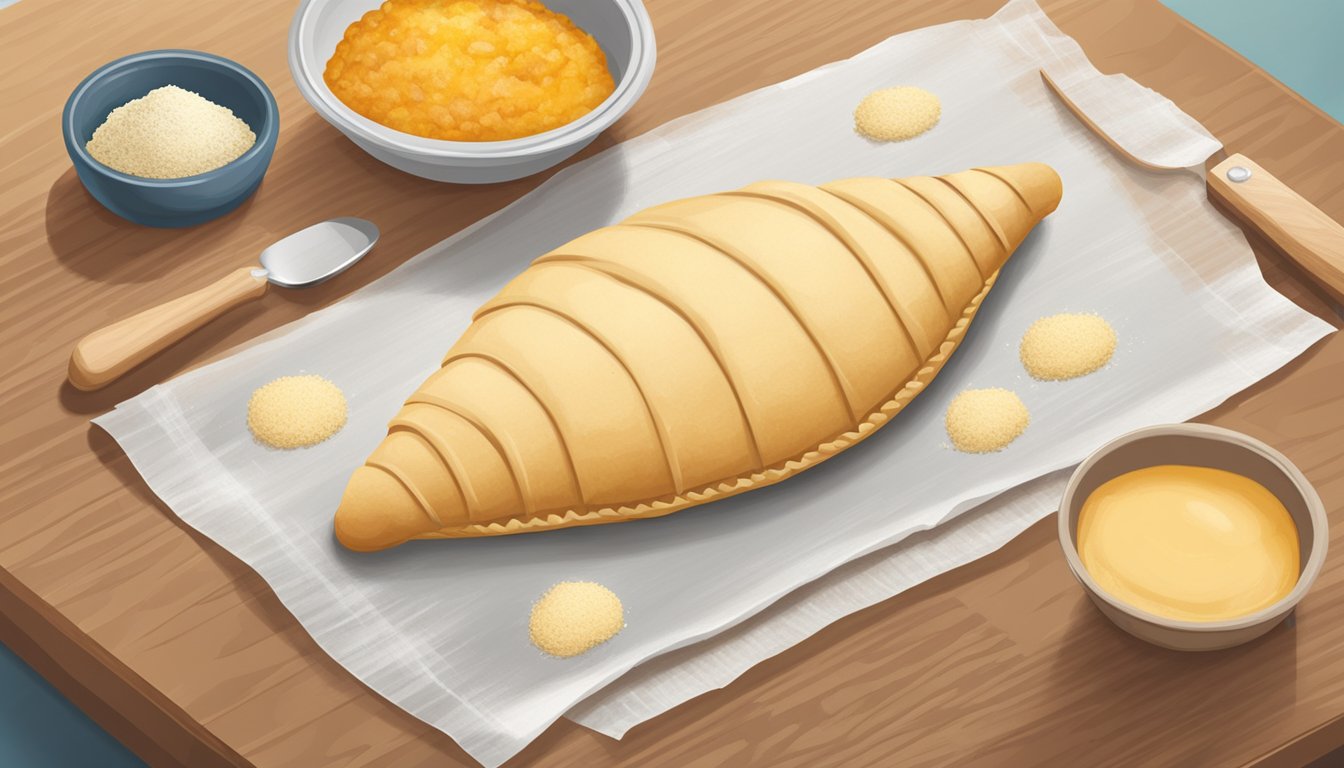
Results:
<point x="1189" y="543"/>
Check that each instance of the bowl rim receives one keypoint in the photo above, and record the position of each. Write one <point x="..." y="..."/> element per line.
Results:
<point x="266" y="136"/>
<point x="638" y="71"/>
<point x="1270" y="613"/>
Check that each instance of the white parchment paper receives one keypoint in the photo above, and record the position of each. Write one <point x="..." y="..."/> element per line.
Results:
<point x="1149" y="127"/>
<point x="439" y="627"/>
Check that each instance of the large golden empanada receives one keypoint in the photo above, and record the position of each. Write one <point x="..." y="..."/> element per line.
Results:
<point x="698" y="349"/>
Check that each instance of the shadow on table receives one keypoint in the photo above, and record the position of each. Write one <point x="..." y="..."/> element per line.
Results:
<point x="97" y="244"/>
<point x="1176" y="703"/>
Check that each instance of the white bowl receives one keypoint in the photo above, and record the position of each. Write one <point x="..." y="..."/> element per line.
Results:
<point x="621" y="27"/>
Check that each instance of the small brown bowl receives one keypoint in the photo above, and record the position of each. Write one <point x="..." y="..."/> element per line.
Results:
<point x="1203" y="446"/>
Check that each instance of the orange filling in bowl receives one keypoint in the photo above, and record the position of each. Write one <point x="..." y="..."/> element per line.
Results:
<point x="474" y="70"/>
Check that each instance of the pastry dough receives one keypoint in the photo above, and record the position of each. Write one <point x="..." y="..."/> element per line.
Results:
<point x="698" y="349"/>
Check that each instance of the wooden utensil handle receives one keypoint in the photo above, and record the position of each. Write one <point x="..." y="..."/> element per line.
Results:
<point x="1304" y="232"/>
<point x="104" y="355"/>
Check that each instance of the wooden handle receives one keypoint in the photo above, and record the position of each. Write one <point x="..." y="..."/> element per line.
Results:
<point x="104" y="355"/>
<point x="1301" y="230"/>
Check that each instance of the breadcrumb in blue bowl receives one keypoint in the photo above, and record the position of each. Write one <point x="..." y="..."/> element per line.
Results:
<point x="177" y="202"/>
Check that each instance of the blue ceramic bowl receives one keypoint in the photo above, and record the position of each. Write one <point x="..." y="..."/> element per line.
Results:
<point x="171" y="202"/>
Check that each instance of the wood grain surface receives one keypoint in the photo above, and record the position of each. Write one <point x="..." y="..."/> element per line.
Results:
<point x="186" y="655"/>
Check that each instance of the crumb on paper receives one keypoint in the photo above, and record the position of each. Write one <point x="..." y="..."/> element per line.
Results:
<point x="574" y="617"/>
<point x="986" y="420"/>
<point x="1067" y="346"/>
<point x="897" y="114"/>
<point x="296" y="411"/>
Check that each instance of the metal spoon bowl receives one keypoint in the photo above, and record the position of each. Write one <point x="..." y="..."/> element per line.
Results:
<point x="319" y="252"/>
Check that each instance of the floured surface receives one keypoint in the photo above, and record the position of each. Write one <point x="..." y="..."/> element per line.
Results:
<point x="440" y="628"/>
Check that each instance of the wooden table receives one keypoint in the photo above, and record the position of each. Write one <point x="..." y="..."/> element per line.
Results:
<point x="184" y="653"/>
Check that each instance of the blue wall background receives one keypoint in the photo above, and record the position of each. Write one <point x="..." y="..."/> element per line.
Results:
<point x="1297" y="41"/>
<point x="40" y="729"/>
